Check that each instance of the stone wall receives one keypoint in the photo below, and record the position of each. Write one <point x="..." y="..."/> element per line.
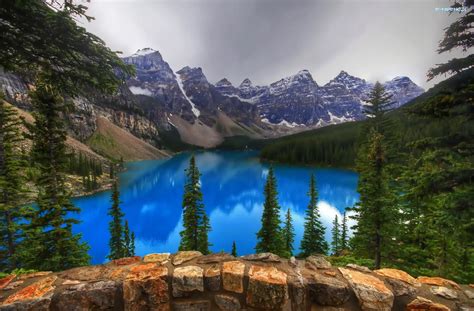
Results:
<point x="190" y="281"/>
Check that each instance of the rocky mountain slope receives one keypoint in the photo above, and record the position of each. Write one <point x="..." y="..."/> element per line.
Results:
<point x="190" y="281"/>
<point x="159" y="101"/>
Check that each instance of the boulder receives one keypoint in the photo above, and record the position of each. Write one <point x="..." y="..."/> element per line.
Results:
<point x="227" y="303"/>
<point x="187" y="279"/>
<point x="328" y="291"/>
<point x="444" y="292"/>
<point x="212" y="278"/>
<point x="215" y="258"/>
<point x="36" y="296"/>
<point x="33" y="275"/>
<point x="401" y="282"/>
<point x="371" y="292"/>
<point x="146" y="288"/>
<point x="185" y="256"/>
<point x="437" y="281"/>
<point x="423" y="304"/>
<point x="469" y="294"/>
<point x="101" y="295"/>
<point x="161" y="258"/>
<point x="126" y="261"/>
<point x="264" y="257"/>
<point x="192" y="305"/>
<point x="267" y="288"/>
<point x="358" y="268"/>
<point x="233" y="276"/>
<point x="6" y="280"/>
<point x="318" y="262"/>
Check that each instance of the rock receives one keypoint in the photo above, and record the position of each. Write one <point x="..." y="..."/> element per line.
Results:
<point x="372" y="293"/>
<point x="38" y="295"/>
<point x="401" y="282"/>
<point x="33" y="275"/>
<point x="469" y="294"/>
<point x="264" y="257"/>
<point x="267" y="288"/>
<point x="330" y="273"/>
<point x="233" y="276"/>
<point x="161" y="258"/>
<point x="90" y="273"/>
<point x="423" y="304"/>
<point x="437" y="281"/>
<point x="126" y="261"/>
<point x="146" y="288"/>
<point x="6" y="280"/>
<point x="215" y="258"/>
<point x="358" y="268"/>
<point x="13" y="285"/>
<point x="194" y="305"/>
<point x="328" y="291"/>
<point x="212" y="278"/>
<point x="184" y="256"/>
<point x="101" y="295"/>
<point x="444" y="292"/>
<point x="318" y="261"/>
<point x="293" y="261"/>
<point x="71" y="282"/>
<point x="227" y="303"/>
<point x="187" y="279"/>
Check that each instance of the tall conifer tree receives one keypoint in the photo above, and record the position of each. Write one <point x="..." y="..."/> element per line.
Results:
<point x="313" y="241"/>
<point x="234" y="249"/>
<point x="269" y="237"/>
<point x="336" y="238"/>
<point x="288" y="234"/>
<point x="344" y="233"/>
<point x="117" y="246"/>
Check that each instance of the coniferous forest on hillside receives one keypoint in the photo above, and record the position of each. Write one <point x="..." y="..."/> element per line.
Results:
<point x="415" y="164"/>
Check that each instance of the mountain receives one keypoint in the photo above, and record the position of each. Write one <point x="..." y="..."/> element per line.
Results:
<point x="169" y="109"/>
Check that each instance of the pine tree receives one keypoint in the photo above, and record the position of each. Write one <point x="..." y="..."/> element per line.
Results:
<point x="344" y="233"/>
<point x="52" y="244"/>
<point x="288" y="235"/>
<point x="196" y="225"/>
<point x="116" y="242"/>
<point x="203" y="241"/>
<point x="335" y="243"/>
<point x="12" y="190"/>
<point x="234" y="249"/>
<point x="375" y="211"/>
<point x="128" y="241"/>
<point x="313" y="241"/>
<point x="269" y="237"/>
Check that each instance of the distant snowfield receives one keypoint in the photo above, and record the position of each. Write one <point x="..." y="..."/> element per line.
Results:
<point x="136" y="90"/>
<point x="196" y="111"/>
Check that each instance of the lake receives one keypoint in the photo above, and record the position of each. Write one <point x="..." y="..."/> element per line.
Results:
<point x="232" y="185"/>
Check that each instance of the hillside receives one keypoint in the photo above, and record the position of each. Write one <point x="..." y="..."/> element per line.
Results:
<point x="115" y="143"/>
<point x="336" y="145"/>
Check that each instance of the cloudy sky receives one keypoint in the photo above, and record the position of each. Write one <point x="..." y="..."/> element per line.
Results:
<point x="266" y="40"/>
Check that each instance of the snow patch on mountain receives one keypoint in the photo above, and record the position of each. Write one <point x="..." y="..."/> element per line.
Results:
<point x="136" y="90"/>
<point x="142" y="52"/>
<point x="196" y="111"/>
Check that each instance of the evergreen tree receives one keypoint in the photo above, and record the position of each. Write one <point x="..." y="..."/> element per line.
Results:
<point x="12" y="190"/>
<point x="128" y="241"/>
<point x="313" y="241"/>
<point x="195" y="222"/>
<point x="51" y="241"/>
<point x="288" y="234"/>
<point x="203" y="241"/>
<point x="116" y="242"/>
<point x="269" y="237"/>
<point x="234" y="249"/>
<point x="344" y="233"/>
<point x="375" y="211"/>
<point x="335" y="243"/>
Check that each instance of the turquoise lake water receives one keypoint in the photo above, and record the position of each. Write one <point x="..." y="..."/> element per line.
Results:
<point x="232" y="186"/>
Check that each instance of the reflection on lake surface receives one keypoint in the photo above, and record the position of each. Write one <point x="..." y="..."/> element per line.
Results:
<point x="232" y="186"/>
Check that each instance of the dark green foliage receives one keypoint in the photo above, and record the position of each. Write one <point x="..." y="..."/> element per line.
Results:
<point x="195" y="221"/>
<point x="344" y="234"/>
<point x="288" y="235"/>
<point x="128" y="241"/>
<point x="12" y="186"/>
<point x="336" y="237"/>
<point x="269" y="237"/>
<point x="42" y="39"/>
<point x="51" y="243"/>
<point x="313" y="241"/>
<point x="234" y="249"/>
<point x="117" y="244"/>
<point x="88" y="168"/>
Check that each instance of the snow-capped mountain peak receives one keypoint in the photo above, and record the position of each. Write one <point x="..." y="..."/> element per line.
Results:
<point x="143" y="52"/>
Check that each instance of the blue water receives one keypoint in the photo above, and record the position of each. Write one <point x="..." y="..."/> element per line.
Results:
<point x="232" y="186"/>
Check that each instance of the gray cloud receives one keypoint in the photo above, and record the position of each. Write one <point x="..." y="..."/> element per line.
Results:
<point x="266" y="40"/>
